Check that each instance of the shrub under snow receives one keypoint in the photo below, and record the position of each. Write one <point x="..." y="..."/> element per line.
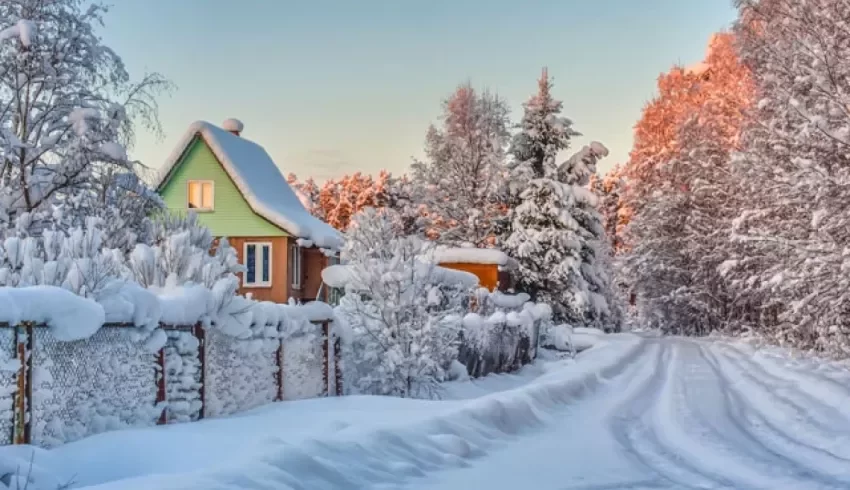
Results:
<point x="403" y="315"/>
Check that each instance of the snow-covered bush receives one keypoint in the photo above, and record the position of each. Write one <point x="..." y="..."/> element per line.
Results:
<point x="404" y="316"/>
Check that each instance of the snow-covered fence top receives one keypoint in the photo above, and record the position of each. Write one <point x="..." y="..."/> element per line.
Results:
<point x="71" y="317"/>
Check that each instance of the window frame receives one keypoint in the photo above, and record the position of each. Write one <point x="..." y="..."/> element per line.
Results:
<point x="295" y="265"/>
<point x="202" y="182"/>
<point x="258" y="260"/>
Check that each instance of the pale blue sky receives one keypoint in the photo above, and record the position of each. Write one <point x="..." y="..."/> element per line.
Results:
<point x="336" y="86"/>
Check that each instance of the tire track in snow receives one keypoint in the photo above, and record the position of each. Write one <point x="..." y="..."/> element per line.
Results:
<point x="828" y="411"/>
<point x="638" y="431"/>
<point x="817" y="435"/>
<point x="796" y="448"/>
<point x="709" y="429"/>
<point x="620" y="418"/>
<point x="769" y="449"/>
<point x="823" y="389"/>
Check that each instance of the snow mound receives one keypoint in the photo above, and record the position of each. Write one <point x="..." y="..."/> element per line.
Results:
<point x="233" y="125"/>
<point x="343" y="275"/>
<point x="24" y="30"/>
<point x="68" y="316"/>
<point x="285" y="445"/>
<point x="560" y="337"/>
<point x="467" y="255"/>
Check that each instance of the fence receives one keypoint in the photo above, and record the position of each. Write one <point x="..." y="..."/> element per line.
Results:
<point x="507" y="349"/>
<point x="52" y="392"/>
<point x="502" y="335"/>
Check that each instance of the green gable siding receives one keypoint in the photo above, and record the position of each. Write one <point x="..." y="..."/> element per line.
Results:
<point x="232" y="216"/>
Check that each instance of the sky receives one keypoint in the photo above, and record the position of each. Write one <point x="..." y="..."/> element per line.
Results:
<point x="331" y="87"/>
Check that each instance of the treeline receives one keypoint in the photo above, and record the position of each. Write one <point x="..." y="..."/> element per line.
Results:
<point x="733" y="208"/>
<point x="488" y="182"/>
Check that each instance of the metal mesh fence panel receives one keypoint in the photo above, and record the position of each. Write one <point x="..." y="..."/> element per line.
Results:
<point x="9" y="366"/>
<point x="240" y="374"/>
<point x="303" y="367"/>
<point x="80" y="388"/>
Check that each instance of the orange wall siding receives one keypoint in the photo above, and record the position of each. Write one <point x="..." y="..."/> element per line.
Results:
<point x="279" y="290"/>
<point x="314" y="262"/>
<point x="488" y="274"/>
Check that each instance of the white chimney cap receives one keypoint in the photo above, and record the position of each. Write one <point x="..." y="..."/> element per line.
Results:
<point x="235" y="126"/>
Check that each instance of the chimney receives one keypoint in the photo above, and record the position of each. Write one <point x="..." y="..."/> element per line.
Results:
<point x="234" y="126"/>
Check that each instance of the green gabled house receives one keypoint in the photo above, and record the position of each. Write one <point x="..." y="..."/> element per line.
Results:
<point x="238" y="192"/>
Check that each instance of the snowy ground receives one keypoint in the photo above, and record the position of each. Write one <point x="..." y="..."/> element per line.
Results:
<point x="632" y="412"/>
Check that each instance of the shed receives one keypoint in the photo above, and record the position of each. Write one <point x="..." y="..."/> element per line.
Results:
<point x="492" y="267"/>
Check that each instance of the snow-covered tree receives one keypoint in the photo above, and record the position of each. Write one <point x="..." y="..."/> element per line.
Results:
<point x="679" y="238"/>
<point x="68" y="111"/>
<point x="308" y="193"/>
<point x="721" y="76"/>
<point x="603" y="309"/>
<point x="404" y="317"/>
<point x="793" y="232"/>
<point x="464" y="167"/>
<point x="610" y="188"/>
<point x="542" y="234"/>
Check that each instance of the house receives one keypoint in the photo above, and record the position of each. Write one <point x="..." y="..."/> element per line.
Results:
<point x="238" y="192"/>
<point x="492" y="267"/>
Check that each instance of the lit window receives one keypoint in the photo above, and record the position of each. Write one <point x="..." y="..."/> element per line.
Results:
<point x="258" y="264"/>
<point x="200" y="195"/>
<point x="295" y="266"/>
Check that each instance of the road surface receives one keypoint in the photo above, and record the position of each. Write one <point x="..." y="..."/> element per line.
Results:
<point x="684" y="414"/>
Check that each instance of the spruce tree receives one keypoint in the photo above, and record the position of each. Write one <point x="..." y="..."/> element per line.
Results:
<point x="541" y="233"/>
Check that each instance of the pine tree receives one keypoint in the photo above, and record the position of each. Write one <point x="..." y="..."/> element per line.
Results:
<point x="603" y="309"/>
<point x="543" y="236"/>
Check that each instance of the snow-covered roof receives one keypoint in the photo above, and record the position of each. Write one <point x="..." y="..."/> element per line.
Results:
<point x="259" y="180"/>
<point x="469" y="255"/>
<point x="340" y="275"/>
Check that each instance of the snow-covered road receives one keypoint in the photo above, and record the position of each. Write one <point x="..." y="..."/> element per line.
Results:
<point x="633" y="412"/>
<point x="686" y="414"/>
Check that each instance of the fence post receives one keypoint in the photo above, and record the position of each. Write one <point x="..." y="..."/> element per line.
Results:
<point x="337" y="367"/>
<point x="22" y="432"/>
<point x="161" y="396"/>
<point x="200" y="334"/>
<point x="279" y="373"/>
<point x="325" y="349"/>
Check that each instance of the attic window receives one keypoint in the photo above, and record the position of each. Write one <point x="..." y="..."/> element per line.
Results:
<point x="200" y="195"/>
